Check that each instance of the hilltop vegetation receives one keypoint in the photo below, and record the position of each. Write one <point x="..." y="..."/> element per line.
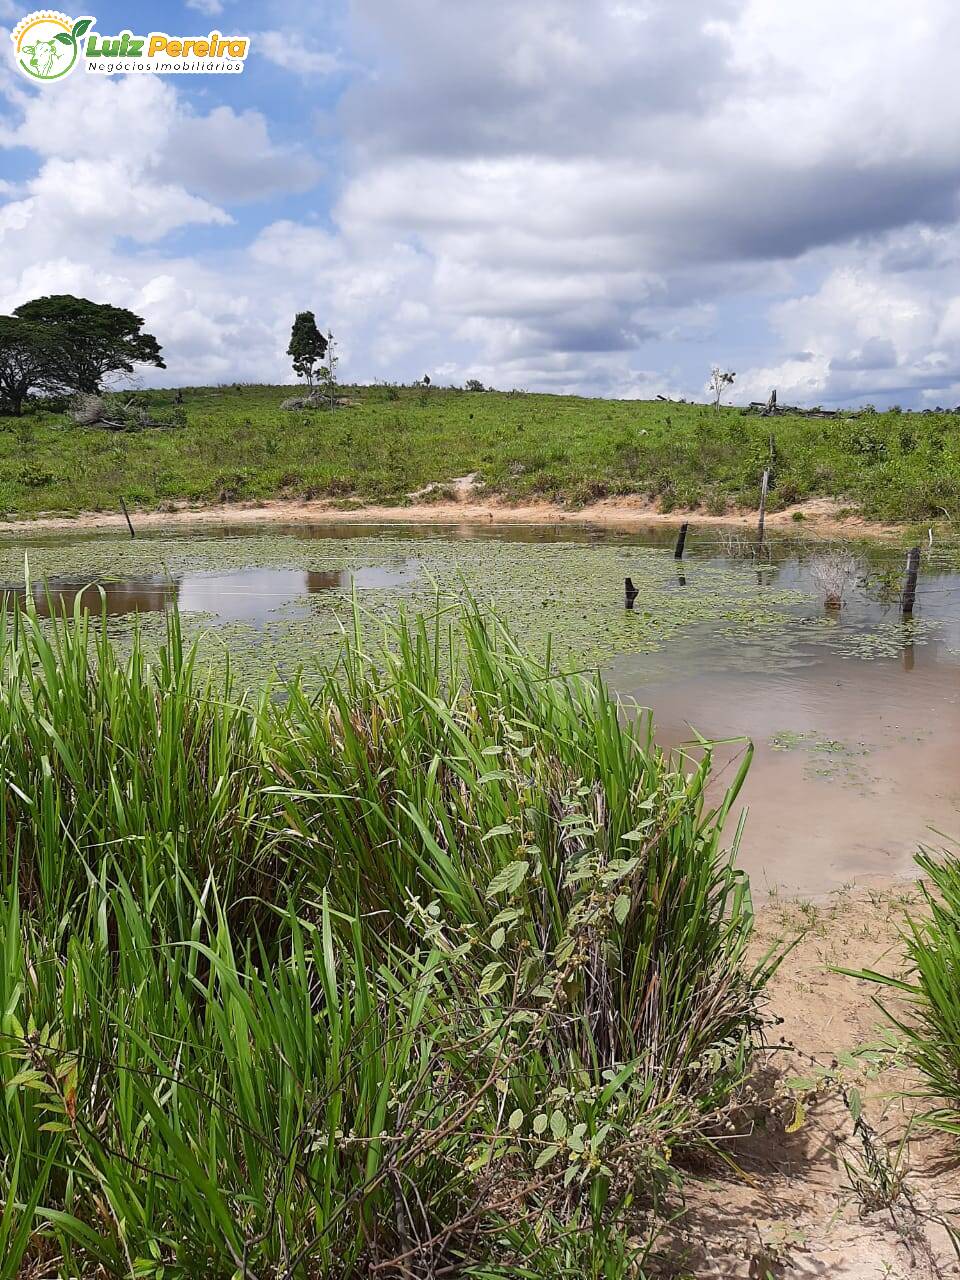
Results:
<point x="386" y="443"/>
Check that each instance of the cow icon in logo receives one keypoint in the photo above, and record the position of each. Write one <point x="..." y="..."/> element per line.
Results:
<point x="47" y="44"/>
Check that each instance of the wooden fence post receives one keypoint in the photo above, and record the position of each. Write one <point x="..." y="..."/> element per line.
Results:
<point x="682" y="538"/>
<point x="764" y="485"/>
<point x="910" y="583"/>
<point x="127" y="515"/>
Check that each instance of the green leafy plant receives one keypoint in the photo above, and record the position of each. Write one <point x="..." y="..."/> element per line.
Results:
<point x="434" y="970"/>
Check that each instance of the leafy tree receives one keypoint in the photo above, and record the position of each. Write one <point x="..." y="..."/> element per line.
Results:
<point x="24" y="356"/>
<point x="307" y="346"/>
<point x="89" y="340"/>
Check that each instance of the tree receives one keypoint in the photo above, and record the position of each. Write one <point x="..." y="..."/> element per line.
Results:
<point x="327" y="373"/>
<point x="720" y="379"/>
<point x="307" y="346"/>
<point x="89" y="340"/>
<point x="24" y="356"/>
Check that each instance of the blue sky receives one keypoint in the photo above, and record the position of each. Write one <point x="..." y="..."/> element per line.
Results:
<point x="606" y="200"/>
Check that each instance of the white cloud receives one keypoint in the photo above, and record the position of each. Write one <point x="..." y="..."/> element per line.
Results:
<point x="580" y="185"/>
<point x="212" y="8"/>
<point x="865" y="335"/>
<point x="536" y="195"/>
<point x="223" y="154"/>
<point x="291" y="50"/>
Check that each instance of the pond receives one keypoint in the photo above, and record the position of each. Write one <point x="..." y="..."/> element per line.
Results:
<point x="854" y="714"/>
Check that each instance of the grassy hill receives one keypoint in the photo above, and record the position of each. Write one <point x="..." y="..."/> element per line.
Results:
<point x="238" y="444"/>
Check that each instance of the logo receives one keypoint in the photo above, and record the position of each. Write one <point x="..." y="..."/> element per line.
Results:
<point x="48" y="45"/>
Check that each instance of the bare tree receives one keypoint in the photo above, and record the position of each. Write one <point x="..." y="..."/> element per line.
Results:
<point x="720" y="379"/>
<point x="326" y="374"/>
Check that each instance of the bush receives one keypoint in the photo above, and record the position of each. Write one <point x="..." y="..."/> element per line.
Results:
<point x="434" y="970"/>
<point x="33" y="476"/>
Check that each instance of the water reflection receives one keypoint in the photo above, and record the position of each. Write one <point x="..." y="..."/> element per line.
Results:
<point x="248" y="595"/>
<point x="134" y="595"/>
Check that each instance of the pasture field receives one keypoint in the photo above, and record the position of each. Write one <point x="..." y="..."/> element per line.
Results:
<point x="389" y="443"/>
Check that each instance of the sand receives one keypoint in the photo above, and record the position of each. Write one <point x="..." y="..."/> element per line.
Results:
<point x="794" y="1210"/>
<point x="820" y="516"/>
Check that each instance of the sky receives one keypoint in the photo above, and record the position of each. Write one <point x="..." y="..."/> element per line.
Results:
<point x="606" y="198"/>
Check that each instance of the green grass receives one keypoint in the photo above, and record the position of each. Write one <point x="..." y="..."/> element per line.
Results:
<point x="926" y="1004"/>
<point x="238" y="444"/>
<point x="439" y="972"/>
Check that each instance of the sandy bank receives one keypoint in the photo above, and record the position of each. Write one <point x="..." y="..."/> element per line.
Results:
<point x="820" y="516"/>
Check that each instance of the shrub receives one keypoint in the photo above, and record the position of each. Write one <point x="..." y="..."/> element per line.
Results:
<point x="432" y="971"/>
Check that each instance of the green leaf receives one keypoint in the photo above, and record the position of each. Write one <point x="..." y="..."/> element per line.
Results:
<point x="621" y="908"/>
<point x="510" y="878"/>
<point x="507" y="916"/>
<point x="27" y="1078"/>
<point x="799" y="1115"/>
<point x="492" y="978"/>
<point x="596" y="1142"/>
<point x="854" y="1104"/>
<point x="504" y="829"/>
<point x="63" y="38"/>
<point x="546" y="1155"/>
<point x="801" y="1084"/>
<point x="81" y="27"/>
<point x="498" y="937"/>
<point x="558" y="1125"/>
<point x="516" y="1120"/>
<point x="539" y="1124"/>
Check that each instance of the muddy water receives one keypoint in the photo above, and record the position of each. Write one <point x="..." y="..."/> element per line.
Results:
<point x="855" y="764"/>
<point x="854" y="716"/>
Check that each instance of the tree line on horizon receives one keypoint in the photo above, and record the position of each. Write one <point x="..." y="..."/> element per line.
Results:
<point x="61" y="344"/>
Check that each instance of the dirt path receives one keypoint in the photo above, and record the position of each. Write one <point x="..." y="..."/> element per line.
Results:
<point x="820" y="516"/>
<point x="799" y="1210"/>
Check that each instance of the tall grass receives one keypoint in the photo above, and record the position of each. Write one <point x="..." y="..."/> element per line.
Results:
<point x="438" y="972"/>
<point x="926" y="1003"/>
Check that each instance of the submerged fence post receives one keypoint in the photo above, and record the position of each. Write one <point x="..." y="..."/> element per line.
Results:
<point x="764" y="485"/>
<point x="910" y="583"/>
<point x="681" y="539"/>
<point x="630" y="592"/>
<point x="127" y="516"/>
